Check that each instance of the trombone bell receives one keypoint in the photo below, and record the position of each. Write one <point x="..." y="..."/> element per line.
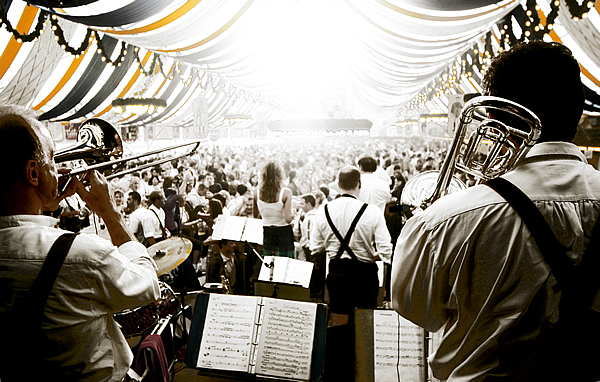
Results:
<point x="97" y="142"/>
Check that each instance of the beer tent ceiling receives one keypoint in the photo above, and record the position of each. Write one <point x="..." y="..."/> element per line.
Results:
<point x="364" y="59"/>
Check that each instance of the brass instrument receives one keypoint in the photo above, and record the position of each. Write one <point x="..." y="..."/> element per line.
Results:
<point x="100" y="146"/>
<point x="226" y="285"/>
<point x="97" y="142"/>
<point x="509" y="144"/>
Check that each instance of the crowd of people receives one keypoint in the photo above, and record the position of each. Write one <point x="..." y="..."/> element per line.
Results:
<point x="469" y="264"/>
<point x="184" y="197"/>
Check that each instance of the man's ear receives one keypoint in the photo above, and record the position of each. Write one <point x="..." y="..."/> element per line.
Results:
<point x="359" y="184"/>
<point x="32" y="172"/>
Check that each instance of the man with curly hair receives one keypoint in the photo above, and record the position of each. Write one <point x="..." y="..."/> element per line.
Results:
<point x="469" y="265"/>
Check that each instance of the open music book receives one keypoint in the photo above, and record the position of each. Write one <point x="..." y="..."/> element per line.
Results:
<point x="392" y="348"/>
<point x="286" y="270"/>
<point x="238" y="228"/>
<point x="265" y="337"/>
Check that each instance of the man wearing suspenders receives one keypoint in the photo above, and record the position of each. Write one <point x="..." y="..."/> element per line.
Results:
<point x="354" y="235"/>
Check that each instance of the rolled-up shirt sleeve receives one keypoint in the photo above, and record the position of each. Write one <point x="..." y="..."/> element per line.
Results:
<point x="119" y="278"/>
<point x="317" y="239"/>
<point x="383" y="240"/>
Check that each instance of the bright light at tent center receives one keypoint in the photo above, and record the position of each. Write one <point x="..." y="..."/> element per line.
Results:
<point x="304" y="48"/>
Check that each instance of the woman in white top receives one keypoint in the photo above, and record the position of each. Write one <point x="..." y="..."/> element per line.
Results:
<point x="273" y="203"/>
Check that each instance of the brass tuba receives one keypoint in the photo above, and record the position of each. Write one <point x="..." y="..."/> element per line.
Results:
<point x="508" y="145"/>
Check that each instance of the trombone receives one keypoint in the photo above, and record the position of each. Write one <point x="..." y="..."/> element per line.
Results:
<point x="100" y="146"/>
<point x="510" y="141"/>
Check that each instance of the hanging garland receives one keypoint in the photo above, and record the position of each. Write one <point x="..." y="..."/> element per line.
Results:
<point x="20" y="37"/>
<point x="579" y="11"/>
<point x="540" y="30"/>
<point x="117" y="61"/>
<point x="155" y="61"/>
<point x="531" y="25"/>
<point x="64" y="44"/>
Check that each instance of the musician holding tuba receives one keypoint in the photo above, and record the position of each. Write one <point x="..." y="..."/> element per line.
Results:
<point x="64" y="331"/>
<point x="470" y="266"/>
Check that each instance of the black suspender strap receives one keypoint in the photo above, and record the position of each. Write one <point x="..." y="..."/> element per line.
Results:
<point x="552" y="250"/>
<point x="162" y="228"/>
<point x="44" y="282"/>
<point x="583" y="280"/>
<point x="345" y="241"/>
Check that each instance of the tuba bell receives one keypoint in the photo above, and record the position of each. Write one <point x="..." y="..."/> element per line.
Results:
<point x="508" y="142"/>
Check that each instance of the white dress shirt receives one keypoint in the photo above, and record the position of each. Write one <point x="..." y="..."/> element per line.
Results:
<point x="469" y="264"/>
<point x="95" y="281"/>
<point x="374" y="190"/>
<point x="305" y="226"/>
<point x="371" y="228"/>
<point x="156" y="224"/>
<point x="142" y="223"/>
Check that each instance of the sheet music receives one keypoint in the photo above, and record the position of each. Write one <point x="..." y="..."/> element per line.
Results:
<point x="287" y="271"/>
<point x="285" y="347"/>
<point x="253" y="231"/>
<point x="398" y="348"/>
<point x="436" y="340"/>
<point x="279" y="269"/>
<point x="229" y="326"/>
<point x="218" y="227"/>
<point x="299" y="272"/>
<point x="234" y="227"/>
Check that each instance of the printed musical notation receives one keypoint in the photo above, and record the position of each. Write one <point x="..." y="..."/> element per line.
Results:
<point x="287" y="271"/>
<point x="285" y="346"/>
<point x="229" y="329"/>
<point x="398" y="348"/>
<point x="238" y="228"/>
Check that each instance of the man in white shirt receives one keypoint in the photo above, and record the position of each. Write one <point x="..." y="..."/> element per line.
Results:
<point x="471" y="265"/>
<point x="307" y="204"/>
<point x="374" y="190"/>
<point x="81" y="340"/>
<point x="303" y="252"/>
<point x="145" y="186"/>
<point x="352" y="280"/>
<point x="141" y="221"/>
<point x="157" y="214"/>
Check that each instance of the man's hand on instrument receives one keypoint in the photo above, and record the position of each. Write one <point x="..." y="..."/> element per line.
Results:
<point x="96" y="194"/>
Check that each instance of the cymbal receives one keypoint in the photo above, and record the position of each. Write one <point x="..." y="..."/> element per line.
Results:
<point x="169" y="253"/>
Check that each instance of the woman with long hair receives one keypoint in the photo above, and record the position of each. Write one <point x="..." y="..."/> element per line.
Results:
<point x="273" y="202"/>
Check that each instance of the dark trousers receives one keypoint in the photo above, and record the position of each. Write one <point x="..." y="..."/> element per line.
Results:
<point x="352" y="284"/>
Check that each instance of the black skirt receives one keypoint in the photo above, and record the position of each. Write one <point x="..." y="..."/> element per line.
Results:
<point x="278" y="241"/>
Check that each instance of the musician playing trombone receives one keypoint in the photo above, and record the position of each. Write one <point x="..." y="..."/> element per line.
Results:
<point x="79" y="339"/>
<point x="469" y="266"/>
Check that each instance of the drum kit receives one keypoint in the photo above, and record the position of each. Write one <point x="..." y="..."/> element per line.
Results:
<point x="138" y="322"/>
<point x="170" y="253"/>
